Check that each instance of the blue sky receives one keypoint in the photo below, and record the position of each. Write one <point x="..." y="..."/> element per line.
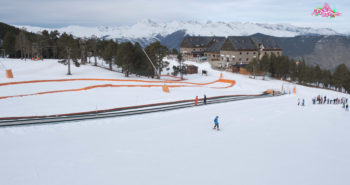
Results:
<point x="58" y="13"/>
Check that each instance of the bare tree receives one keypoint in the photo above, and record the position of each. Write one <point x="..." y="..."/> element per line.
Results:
<point x="68" y="60"/>
<point x="22" y="43"/>
<point x="92" y="46"/>
<point x="82" y="43"/>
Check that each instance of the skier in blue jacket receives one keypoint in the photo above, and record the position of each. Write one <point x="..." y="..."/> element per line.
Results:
<point x="216" y="123"/>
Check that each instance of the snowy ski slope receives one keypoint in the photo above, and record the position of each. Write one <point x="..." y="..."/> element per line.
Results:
<point x="262" y="142"/>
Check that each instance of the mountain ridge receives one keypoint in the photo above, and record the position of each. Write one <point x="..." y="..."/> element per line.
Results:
<point x="150" y="29"/>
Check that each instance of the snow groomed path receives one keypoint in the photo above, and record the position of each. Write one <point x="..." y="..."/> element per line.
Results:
<point x="124" y="111"/>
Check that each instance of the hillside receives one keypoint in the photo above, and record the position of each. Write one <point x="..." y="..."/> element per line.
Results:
<point x="324" y="47"/>
<point x="267" y="141"/>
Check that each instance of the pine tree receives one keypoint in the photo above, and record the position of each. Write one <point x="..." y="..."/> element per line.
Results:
<point x="301" y="71"/>
<point x="340" y="77"/>
<point x="252" y="67"/>
<point x="326" y="78"/>
<point x="264" y="65"/>
<point x="293" y="70"/>
<point x="109" y="52"/>
<point x="347" y="83"/>
<point x="317" y="75"/>
<point x="125" y="57"/>
<point x="92" y="47"/>
<point x="174" y="51"/>
<point x="179" y="59"/>
<point x="9" y="44"/>
<point x="157" y="52"/>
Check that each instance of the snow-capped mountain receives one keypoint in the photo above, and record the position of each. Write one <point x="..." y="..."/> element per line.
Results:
<point x="150" y="30"/>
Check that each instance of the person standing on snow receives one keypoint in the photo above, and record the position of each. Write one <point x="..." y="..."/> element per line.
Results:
<point x="216" y="123"/>
<point x="298" y="101"/>
<point x="347" y="107"/>
<point x="303" y="102"/>
<point x="196" y="101"/>
<point x="205" y="99"/>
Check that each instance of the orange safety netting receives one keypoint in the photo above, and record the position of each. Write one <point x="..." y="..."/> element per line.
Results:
<point x="165" y="88"/>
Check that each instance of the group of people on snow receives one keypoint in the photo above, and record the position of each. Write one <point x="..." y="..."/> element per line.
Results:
<point x="336" y="101"/>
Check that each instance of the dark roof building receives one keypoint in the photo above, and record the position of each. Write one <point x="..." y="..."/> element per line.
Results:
<point x="238" y="43"/>
<point x="216" y="44"/>
<point x="195" y="42"/>
<point x="268" y="43"/>
<point x="224" y="52"/>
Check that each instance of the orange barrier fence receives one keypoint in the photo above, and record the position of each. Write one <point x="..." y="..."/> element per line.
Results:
<point x="96" y="79"/>
<point x="165" y="88"/>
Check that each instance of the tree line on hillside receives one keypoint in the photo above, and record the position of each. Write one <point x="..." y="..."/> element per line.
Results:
<point x="299" y="71"/>
<point x="131" y="57"/>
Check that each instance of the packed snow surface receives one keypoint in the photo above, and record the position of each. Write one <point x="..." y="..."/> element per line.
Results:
<point x="269" y="141"/>
<point x="104" y="98"/>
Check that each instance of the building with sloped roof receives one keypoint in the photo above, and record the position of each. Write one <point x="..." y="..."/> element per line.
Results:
<point x="237" y="50"/>
<point x="224" y="52"/>
<point x="194" y="46"/>
<point x="212" y="52"/>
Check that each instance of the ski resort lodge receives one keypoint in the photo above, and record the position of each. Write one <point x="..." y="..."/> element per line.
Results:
<point x="224" y="52"/>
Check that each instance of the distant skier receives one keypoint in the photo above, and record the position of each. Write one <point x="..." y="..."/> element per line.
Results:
<point x="303" y="104"/>
<point x="196" y="101"/>
<point x="205" y="99"/>
<point x="347" y="107"/>
<point x="298" y="101"/>
<point x="216" y="123"/>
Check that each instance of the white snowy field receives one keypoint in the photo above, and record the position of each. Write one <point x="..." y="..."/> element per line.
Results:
<point x="262" y="142"/>
<point x="269" y="141"/>
<point x="107" y="97"/>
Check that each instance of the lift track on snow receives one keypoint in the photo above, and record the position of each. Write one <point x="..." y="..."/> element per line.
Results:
<point x="123" y="111"/>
